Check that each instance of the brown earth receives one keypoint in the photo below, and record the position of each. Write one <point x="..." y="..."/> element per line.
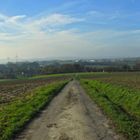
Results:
<point x="11" y="90"/>
<point x="71" y="115"/>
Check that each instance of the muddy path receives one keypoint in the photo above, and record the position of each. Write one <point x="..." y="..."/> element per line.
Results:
<point x="70" y="116"/>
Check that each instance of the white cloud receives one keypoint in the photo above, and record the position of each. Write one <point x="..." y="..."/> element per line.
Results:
<point x="27" y="37"/>
<point x="15" y="19"/>
<point x="71" y="43"/>
<point x="10" y="19"/>
<point x="16" y="26"/>
<point x="56" y="19"/>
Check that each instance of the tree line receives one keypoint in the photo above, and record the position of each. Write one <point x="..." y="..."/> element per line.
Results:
<point x="28" y="69"/>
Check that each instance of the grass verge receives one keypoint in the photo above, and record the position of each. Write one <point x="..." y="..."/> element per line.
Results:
<point x="16" y="114"/>
<point x="122" y="105"/>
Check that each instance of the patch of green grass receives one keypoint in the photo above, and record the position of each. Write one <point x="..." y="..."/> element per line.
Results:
<point x="52" y="75"/>
<point x="127" y="79"/>
<point x="121" y="104"/>
<point x="16" y="114"/>
<point x="73" y="75"/>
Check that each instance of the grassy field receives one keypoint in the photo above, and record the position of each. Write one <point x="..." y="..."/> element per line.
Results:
<point x="72" y="75"/>
<point x="127" y="79"/>
<point x="53" y="76"/>
<point x="118" y="98"/>
<point x="16" y="110"/>
<point x="118" y="94"/>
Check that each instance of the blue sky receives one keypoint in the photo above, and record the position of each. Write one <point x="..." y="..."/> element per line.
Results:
<point x="63" y="28"/>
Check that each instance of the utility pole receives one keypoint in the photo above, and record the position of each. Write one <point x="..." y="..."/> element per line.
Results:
<point x="8" y="59"/>
<point x="16" y="58"/>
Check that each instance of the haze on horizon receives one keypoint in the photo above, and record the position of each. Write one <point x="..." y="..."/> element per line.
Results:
<point x="76" y="28"/>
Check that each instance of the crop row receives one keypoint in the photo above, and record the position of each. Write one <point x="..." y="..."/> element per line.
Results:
<point x="13" y="89"/>
<point x="14" y="115"/>
<point x="128" y="79"/>
<point x="121" y="104"/>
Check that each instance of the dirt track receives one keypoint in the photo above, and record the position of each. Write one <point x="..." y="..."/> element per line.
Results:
<point x="70" y="116"/>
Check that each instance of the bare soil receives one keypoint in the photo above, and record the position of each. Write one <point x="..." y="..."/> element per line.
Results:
<point x="11" y="90"/>
<point x="71" y="115"/>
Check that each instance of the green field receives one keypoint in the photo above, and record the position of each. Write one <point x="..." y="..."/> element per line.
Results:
<point x="127" y="79"/>
<point x="52" y="76"/>
<point x="118" y="98"/>
<point x="117" y="94"/>
<point x="16" y="113"/>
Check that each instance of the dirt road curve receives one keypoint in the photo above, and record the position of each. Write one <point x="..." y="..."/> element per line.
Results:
<point x="70" y="116"/>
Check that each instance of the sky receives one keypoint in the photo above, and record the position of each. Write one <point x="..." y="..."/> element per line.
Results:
<point x="69" y="29"/>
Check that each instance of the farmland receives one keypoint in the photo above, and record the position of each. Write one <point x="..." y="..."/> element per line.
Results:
<point x="127" y="79"/>
<point x="21" y="99"/>
<point x="118" y="94"/>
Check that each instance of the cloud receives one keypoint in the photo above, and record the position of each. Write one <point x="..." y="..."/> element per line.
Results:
<point x="55" y="20"/>
<point x="46" y="36"/>
<point x="105" y="16"/>
<point x="15" y="19"/>
<point x="10" y="19"/>
<point x="73" y="43"/>
<point x="95" y="13"/>
<point x="21" y="25"/>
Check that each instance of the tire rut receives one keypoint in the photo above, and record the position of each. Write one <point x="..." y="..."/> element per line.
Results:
<point x="70" y="116"/>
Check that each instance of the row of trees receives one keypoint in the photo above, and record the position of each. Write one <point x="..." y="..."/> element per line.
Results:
<point x="12" y="70"/>
<point x="19" y="70"/>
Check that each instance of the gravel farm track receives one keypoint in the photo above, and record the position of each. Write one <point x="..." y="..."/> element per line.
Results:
<point x="71" y="115"/>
